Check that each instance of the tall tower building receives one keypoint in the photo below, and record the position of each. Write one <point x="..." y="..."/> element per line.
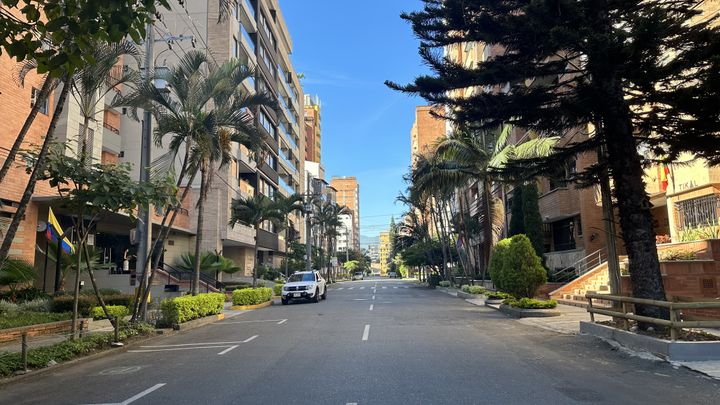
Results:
<point x="312" y="128"/>
<point x="348" y="194"/>
<point x="426" y="131"/>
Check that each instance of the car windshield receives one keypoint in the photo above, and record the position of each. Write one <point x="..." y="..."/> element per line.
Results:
<point x="301" y="277"/>
<point x="358" y="273"/>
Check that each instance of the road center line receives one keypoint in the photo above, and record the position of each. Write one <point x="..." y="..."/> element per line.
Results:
<point x="366" y="333"/>
<point x="250" y="339"/>
<point x="372" y="306"/>
<point x="282" y="322"/>
<point x="227" y="350"/>
<point x="373" y="298"/>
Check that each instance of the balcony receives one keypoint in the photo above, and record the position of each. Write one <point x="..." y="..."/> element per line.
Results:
<point x="559" y="203"/>
<point x="111" y="141"/>
<point x="246" y="14"/>
<point x="286" y="187"/>
<point x="289" y="166"/>
<point x="267" y="240"/>
<point x="288" y="139"/>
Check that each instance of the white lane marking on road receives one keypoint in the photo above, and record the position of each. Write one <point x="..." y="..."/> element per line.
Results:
<point x="236" y="322"/>
<point x="137" y="396"/>
<point x="351" y="288"/>
<point x="282" y="322"/>
<point x="227" y="350"/>
<point x="395" y="287"/>
<point x="351" y="403"/>
<point x="360" y="299"/>
<point x="384" y="287"/>
<point x="171" y="349"/>
<point x="250" y="339"/>
<point x="406" y="287"/>
<point x="372" y="306"/>
<point x="373" y="298"/>
<point x="194" y="344"/>
<point x="340" y="288"/>
<point x="366" y="333"/>
<point x="362" y="288"/>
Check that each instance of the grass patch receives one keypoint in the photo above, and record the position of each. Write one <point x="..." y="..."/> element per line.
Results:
<point x="18" y="319"/>
<point x="69" y="349"/>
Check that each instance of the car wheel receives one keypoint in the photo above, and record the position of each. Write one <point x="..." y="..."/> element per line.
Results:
<point x="316" y="297"/>
<point x="324" y="296"/>
<point x="284" y="301"/>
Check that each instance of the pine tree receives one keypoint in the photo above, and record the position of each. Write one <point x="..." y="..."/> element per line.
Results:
<point x="616" y="75"/>
<point x="517" y="218"/>
<point x="532" y="218"/>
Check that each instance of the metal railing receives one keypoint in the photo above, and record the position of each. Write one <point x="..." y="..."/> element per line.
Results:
<point x="580" y="267"/>
<point x="675" y="323"/>
<point x="189" y="275"/>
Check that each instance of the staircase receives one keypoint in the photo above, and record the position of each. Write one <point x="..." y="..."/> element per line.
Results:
<point x="184" y="278"/>
<point x="590" y="276"/>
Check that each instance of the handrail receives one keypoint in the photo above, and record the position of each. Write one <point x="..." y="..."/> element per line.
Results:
<point x="581" y="266"/>
<point x="675" y="323"/>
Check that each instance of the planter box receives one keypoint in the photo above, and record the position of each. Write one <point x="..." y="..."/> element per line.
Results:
<point x="467" y="296"/>
<point x="494" y="301"/>
<point x="528" y="313"/>
<point x="669" y="350"/>
<point x="198" y="322"/>
<point x="43" y="329"/>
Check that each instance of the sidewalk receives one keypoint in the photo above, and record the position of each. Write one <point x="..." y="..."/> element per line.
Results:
<point x="569" y="323"/>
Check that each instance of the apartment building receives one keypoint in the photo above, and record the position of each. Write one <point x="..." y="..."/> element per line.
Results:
<point x="426" y="131"/>
<point x="384" y="252"/>
<point x="348" y="194"/>
<point x="313" y="129"/>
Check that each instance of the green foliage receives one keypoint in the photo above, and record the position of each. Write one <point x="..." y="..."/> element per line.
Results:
<point x="473" y="289"/>
<point x="69" y="349"/>
<point x="277" y="289"/>
<point x="15" y="272"/>
<point x="24" y="294"/>
<point x="269" y="273"/>
<point x="517" y="269"/>
<point x="497" y="295"/>
<point x="434" y="280"/>
<point x="235" y="285"/>
<point x="530" y="303"/>
<point x="252" y="296"/>
<point x="183" y="309"/>
<point x="532" y="220"/>
<point x="700" y="233"/>
<point x="116" y="311"/>
<point x="351" y="265"/>
<point x="670" y="255"/>
<point x="36" y="305"/>
<point x="517" y="219"/>
<point x="444" y="283"/>
<point x="18" y="319"/>
<point x="87" y="302"/>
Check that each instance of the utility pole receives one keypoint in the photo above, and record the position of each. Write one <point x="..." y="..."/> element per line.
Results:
<point x="144" y="226"/>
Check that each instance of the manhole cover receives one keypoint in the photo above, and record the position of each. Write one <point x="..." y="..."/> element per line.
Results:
<point x="121" y="370"/>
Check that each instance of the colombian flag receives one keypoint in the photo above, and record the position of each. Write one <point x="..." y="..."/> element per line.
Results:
<point x="54" y="231"/>
<point x="663" y="175"/>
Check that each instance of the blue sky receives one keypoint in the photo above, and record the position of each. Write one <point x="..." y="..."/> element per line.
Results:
<point x="347" y="49"/>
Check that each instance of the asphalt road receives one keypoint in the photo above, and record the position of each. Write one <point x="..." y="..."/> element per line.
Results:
<point x="396" y="344"/>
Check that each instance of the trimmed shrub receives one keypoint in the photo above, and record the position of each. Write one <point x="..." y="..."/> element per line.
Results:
<point x="497" y="295"/>
<point x="530" y="303"/>
<point x="187" y="308"/>
<point x="87" y="302"/>
<point x="18" y="319"/>
<point x="7" y="307"/>
<point x="252" y="296"/>
<point x="116" y="311"/>
<point x="473" y="289"/>
<point x="277" y="289"/>
<point x="36" y="305"/>
<point x="444" y="283"/>
<point x="434" y="280"/>
<point x="517" y="269"/>
<point x="24" y="294"/>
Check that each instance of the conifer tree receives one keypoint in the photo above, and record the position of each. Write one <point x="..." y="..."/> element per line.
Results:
<point x="517" y="218"/>
<point x="625" y="76"/>
<point x="532" y="219"/>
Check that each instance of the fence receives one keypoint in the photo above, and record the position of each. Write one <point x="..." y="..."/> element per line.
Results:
<point x="675" y="323"/>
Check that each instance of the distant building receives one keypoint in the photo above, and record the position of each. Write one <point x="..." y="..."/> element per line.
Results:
<point x="348" y="194"/>
<point x="384" y="251"/>
<point x="426" y="131"/>
<point x="373" y="251"/>
<point x="312" y="129"/>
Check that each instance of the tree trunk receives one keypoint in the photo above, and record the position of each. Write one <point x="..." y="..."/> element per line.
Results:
<point x="443" y="242"/>
<point x="436" y="223"/>
<point x="633" y="203"/>
<point x="488" y="227"/>
<point x="199" y="232"/>
<point x="255" y="259"/>
<point x="42" y="96"/>
<point x="287" y="256"/>
<point x="76" y="287"/>
<point x="39" y="167"/>
<point x="99" y="297"/>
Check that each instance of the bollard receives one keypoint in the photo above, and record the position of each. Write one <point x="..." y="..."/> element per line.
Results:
<point x="81" y="327"/>
<point x="24" y="348"/>
<point x="116" y="325"/>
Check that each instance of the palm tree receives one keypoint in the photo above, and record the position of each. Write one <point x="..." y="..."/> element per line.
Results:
<point x="287" y="206"/>
<point x="253" y="211"/>
<point x="204" y="111"/>
<point x="327" y="219"/>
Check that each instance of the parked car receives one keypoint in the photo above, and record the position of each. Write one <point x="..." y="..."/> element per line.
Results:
<point x="304" y="285"/>
<point x="393" y="274"/>
<point x="358" y="275"/>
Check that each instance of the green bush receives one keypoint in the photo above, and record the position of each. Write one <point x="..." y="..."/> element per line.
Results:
<point x="530" y="303"/>
<point x="87" y="302"/>
<point x="116" y="311"/>
<point x="36" y="305"/>
<point x="515" y="268"/>
<point x="277" y="289"/>
<point x="444" y="283"/>
<point x="497" y="295"/>
<point x="232" y="286"/>
<point x="69" y="349"/>
<point x="473" y="289"/>
<point x="18" y="319"/>
<point x="187" y="308"/>
<point x="434" y="280"/>
<point x="252" y="296"/>
<point x="24" y="294"/>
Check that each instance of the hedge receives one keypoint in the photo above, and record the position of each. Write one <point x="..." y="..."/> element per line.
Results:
<point x="473" y="289"/>
<point x="116" y="311"/>
<point x="18" y="319"/>
<point x="187" y="308"/>
<point x="444" y="284"/>
<point x="69" y="349"/>
<point x="277" y="289"/>
<point x="252" y="296"/>
<point x="87" y="302"/>
<point x="530" y="303"/>
<point x="497" y="295"/>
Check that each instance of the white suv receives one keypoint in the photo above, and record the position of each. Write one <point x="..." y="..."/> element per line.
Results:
<point x="304" y="285"/>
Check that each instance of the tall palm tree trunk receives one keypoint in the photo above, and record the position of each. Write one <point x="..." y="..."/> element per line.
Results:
<point x="255" y="259"/>
<point x="41" y="98"/>
<point x="436" y="224"/>
<point x="39" y="166"/>
<point x="487" y="227"/>
<point x="200" y="223"/>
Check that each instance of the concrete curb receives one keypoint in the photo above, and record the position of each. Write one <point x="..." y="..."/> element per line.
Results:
<point x="468" y="296"/>
<point x="196" y="323"/>
<point x="668" y="350"/>
<point x="528" y="313"/>
<point x="250" y="307"/>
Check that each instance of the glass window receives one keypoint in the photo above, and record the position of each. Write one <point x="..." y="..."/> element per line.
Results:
<point x="301" y="277"/>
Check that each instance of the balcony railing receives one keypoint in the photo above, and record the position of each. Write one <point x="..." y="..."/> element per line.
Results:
<point x="290" y="140"/>
<point x="288" y="188"/>
<point x="288" y="163"/>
